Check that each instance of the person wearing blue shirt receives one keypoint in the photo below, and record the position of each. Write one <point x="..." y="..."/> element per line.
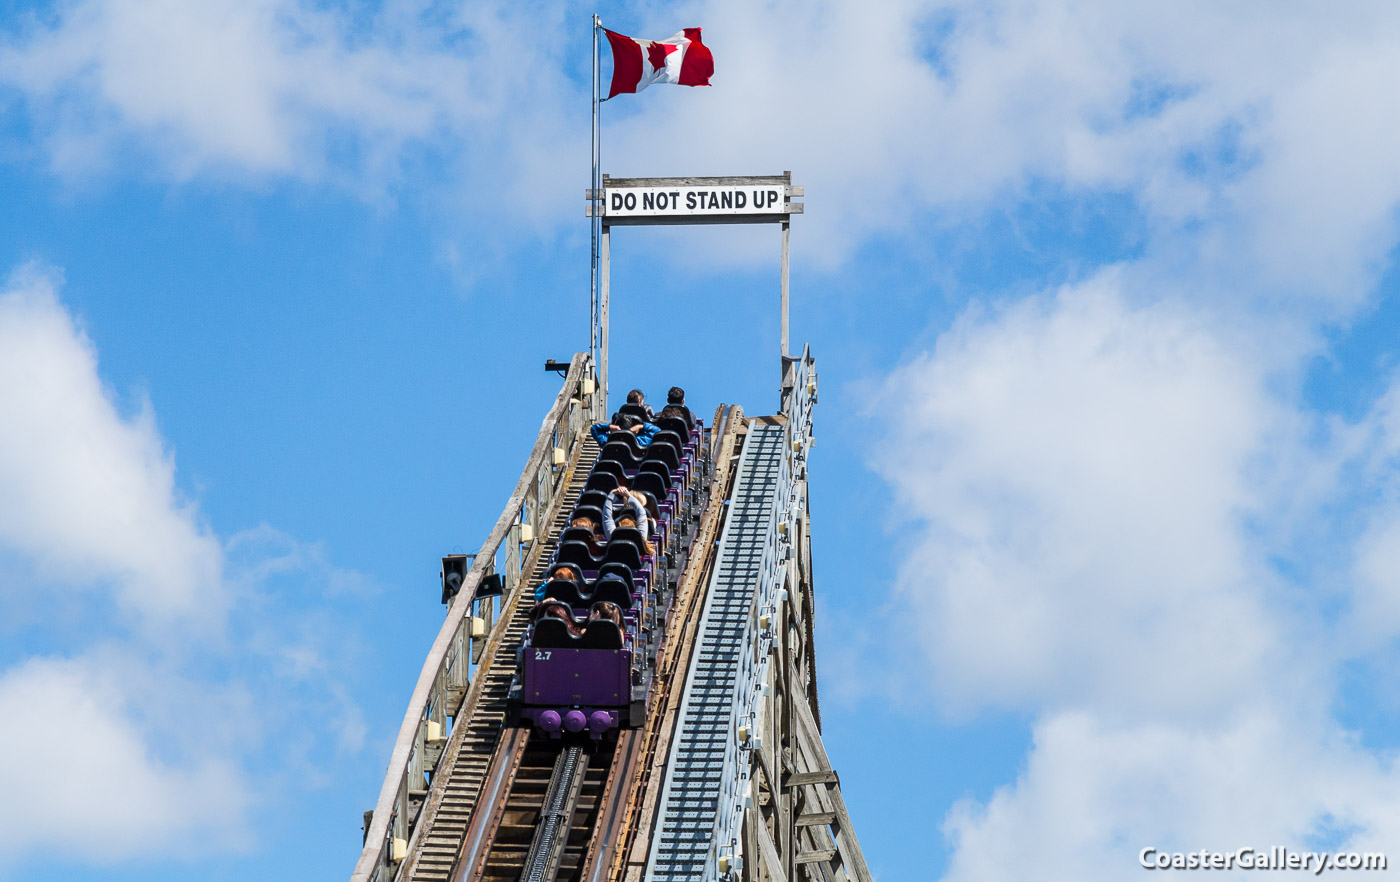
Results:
<point x="621" y="422"/>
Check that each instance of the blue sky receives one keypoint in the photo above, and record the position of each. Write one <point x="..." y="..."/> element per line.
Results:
<point x="1103" y="300"/>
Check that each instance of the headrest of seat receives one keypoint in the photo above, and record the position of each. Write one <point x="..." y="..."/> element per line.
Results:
<point x="624" y="552"/>
<point x="619" y="569"/>
<point x="651" y="482"/>
<point x="609" y="466"/>
<point x="565" y="591"/>
<point x="630" y="535"/>
<point x="674" y="424"/>
<point x="586" y="508"/>
<point x="578" y="553"/>
<point x="602" y="634"/>
<point x="604" y="481"/>
<point x="613" y="589"/>
<point x="552" y="633"/>
<point x="564" y="565"/>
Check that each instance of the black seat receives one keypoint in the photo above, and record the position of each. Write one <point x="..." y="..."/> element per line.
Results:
<point x="604" y="481"/>
<point x="553" y="633"/>
<point x="665" y="447"/>
<point x="591" y="502"/>
<point x="616" y="568"/>
<point x="578" y="554"/>
<point x="626" y="455"/>
<point x="565" y="591"/>
<point x="674" y="424"/>
<point x="651" y="482"/>
<point x="656" y="465"/>
<point x="612" y="468"/>
<point x="626" y="438"/>
<point x="622" y="551"/>
<point x="629" y="534"/>
<point x="636" y="410"/>
<point x="600" y="634"/>
<point x="578" y="534"/>
<point x="614" y="590"/>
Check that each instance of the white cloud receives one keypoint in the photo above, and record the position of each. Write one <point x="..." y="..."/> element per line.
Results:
<point x="1260" y="128"/>
<point x="1095" y="794"/>
<point x="283" y="87"/>
<point x="85" y="780"/>
<point x="1083" y="468"/>
<point x="144" y="737"/>
<point x="1093" y="495"/>
<point x="1255" y="145"/>
<point x="88" y="494"/>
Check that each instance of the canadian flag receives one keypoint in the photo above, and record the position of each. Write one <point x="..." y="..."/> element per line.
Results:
<point x="680" y="59"/>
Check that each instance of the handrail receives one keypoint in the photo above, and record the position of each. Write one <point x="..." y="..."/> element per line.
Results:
<point x="444" y="674"/>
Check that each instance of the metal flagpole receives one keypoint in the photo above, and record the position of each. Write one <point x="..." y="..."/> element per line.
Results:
<point x="596" y="203"/>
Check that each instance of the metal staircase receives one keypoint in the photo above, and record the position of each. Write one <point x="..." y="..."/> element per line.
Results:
<point x="695" y="785"/>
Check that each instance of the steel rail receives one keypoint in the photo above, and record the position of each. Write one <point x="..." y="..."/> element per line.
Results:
<point x="560" y="801"/>
<point x="698" y="793"/>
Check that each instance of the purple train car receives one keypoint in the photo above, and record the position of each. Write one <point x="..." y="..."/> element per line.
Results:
<point x="570" y="690"/>
<point x="584" y="664"/>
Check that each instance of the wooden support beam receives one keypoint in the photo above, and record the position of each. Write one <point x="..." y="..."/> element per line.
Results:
<point x="810" y="745"/>
<point x="812" y="857"/>
<point x="813" y="819"/>
<point x="804" y="779"/>
<point x="769" y="852"/>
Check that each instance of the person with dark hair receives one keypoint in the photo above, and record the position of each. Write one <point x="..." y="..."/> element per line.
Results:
<point x="675" y="407"/>
<point x="638" y="398"/>
<point x="622" y="422"/>
<point x="558" y="609"/>
<point x="605" y="609"/>
<point x="675" y="412"/>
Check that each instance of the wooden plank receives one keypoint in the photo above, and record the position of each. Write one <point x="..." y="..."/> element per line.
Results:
<point x="812" y="857"/>
<point x="810" y="740"/>
<point x="767" y="850"/>
<point x="803" y="779"/>
<point x="813" y="819"/>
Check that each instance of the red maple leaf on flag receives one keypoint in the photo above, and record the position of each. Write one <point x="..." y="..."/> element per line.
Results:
<point x="657" y="52"/>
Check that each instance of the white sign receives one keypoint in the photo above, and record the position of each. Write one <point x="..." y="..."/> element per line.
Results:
<point x="684" y="201"/>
